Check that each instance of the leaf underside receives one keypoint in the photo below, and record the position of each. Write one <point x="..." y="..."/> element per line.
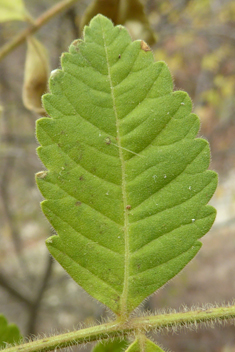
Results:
<point x="127" y="182"/>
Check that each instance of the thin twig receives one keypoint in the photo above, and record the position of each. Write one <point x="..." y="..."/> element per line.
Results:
<point x="36" y="304"/>
<point x="32" y="28"/>
<point x="14" y="291"/>
<point x="4" y="187"/>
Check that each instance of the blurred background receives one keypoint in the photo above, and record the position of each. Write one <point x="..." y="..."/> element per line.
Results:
<point x="197" y="40"/>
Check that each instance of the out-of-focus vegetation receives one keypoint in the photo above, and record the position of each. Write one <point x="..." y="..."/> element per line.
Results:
<point x="8" y="332"/>
<point x="198" y="43"/>
<point x="197" y="40"/>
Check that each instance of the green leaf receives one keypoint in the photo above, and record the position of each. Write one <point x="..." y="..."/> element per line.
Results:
<point x="127" y="182"/>
<point x="12" y="10"/>
<point x="115" y="345"/>
<point x="126" y="12"/>
<point x="9" y="333"/>
<point x="143" y="345"/>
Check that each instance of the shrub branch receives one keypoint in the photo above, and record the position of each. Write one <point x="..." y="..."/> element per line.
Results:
<point x="131" y="327"/>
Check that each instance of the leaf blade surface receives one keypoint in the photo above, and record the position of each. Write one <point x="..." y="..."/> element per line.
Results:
<point x="127" y="182"/>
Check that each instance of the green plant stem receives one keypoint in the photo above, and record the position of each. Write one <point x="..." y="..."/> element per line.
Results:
<point x="133" y="326"/>
<point x="35" y="26"/>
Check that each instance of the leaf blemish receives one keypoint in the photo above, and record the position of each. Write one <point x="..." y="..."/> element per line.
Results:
<point x="154" y="177"/>
<point x="128" y="207"/>
<point x="78" y="203"/>
<point x="107" y="140"/>
<point x="41" y="174"/>
<point x="54" y="73"/>
<point x="76" y="44"/>
<point x="144" y="46"/>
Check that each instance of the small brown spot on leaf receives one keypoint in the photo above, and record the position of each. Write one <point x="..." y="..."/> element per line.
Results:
<point x="107" y="140"/>
<point x="144" y="46"/>
<point x="41" y="174"/>
<point x="76" y="42"/>
<point x="75" y="45"/>
<point x="81" y="178"/>
<point x="119" y="56"/>
<point x="78" y="203"/>
<point x="128" y="207"/>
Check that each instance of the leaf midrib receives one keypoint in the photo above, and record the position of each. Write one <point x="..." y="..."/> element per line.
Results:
<point x="124" y="296"/>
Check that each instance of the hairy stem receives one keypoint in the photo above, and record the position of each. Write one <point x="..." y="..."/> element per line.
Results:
<point x="35" y="26"/>
<point x="133" y="326"/>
